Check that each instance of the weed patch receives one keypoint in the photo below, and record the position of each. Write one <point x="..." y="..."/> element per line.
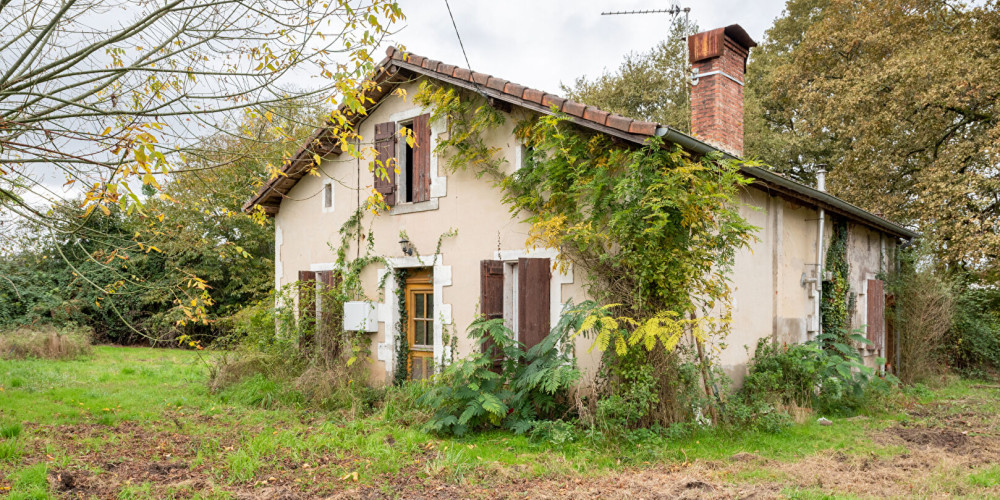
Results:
<point x="45" y="342"/>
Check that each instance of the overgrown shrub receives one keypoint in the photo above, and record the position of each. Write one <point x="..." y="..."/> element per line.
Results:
<point x="824" y="374"/>
<point x="530" y="386"/>
<point x="266" y="352"/>
<point x="647" y="388"/>
<point x="922" y="317"/>
<point x="46" y="341"/>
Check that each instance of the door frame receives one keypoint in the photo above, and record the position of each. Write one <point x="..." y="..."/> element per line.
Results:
<point x="419" y="281"/>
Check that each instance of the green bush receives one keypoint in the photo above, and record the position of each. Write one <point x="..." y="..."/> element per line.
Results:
<point x="973" y="342"/>
<point x="529" y="387"/>
<point x="823" y="374"/>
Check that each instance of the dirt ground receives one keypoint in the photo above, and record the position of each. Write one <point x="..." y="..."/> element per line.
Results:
<point x="939" y="445"/>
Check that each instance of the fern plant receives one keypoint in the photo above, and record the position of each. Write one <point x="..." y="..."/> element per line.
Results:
<point x="526" y="388"/>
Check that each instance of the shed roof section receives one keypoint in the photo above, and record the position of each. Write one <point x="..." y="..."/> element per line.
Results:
<point x="399" y="66"/>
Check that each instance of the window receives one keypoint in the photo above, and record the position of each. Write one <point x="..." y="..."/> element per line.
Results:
<point x="406" y="168"/>
<point x="413" y="184"/>
<point x="327" y="196"/>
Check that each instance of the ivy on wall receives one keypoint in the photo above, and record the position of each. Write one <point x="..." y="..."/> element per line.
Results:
<point x="402" y="370"/>
<point x="837" y="303"/>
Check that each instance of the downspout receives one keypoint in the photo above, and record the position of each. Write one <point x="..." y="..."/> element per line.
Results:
<point x="820" y="186"/>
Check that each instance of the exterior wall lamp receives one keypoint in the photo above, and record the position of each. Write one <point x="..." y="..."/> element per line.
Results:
<point x="407" y="247"/>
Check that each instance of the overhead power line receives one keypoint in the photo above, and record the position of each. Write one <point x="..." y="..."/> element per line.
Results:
<point x="459" y="36"/>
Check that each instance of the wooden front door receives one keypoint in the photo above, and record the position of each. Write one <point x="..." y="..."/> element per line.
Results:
<point x="420" y="324"/>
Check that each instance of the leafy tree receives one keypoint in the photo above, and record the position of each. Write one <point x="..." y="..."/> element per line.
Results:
<point x="648" y="86"/>
<point x="116" y="272"/>
<point x="899" y="99"/>
<point x="775" y="127"/>
<point x="110" y="95"/>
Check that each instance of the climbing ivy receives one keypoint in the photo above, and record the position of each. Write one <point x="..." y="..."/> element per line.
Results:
<point x="402" y="372"/>
<point x="837" y="303"/>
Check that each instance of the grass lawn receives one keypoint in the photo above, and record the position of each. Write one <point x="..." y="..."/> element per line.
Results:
<point x="141" y="423"/>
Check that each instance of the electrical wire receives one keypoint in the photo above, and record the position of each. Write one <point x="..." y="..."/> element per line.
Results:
<point x="460" y="44"/>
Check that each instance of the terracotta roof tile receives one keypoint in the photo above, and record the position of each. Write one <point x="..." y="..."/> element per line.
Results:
<point x="480" y="78"/>
<point x="513" y="89"/>
<point x="619" y="122"/>
<point x="496" y="83"/>
<point x="549" y="100"/>
<point x="573" y="108"/>
<point x="462" y="73"/>
<point x="431" y="64"/>
<point x="642" y="128"/>
<point x="595" y="115"/>
<point x="447" y="69"/>
<point x="533" y="95"/>
<point x="415" y="59"/>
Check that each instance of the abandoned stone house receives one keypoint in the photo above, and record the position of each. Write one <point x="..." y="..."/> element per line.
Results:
<point x="487" y="268"/>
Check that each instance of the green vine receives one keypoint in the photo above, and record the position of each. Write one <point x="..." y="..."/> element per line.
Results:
<point x="402" y="372"/>
<point x="467" y="122"/>
<point x="837" y="303"/>
<point x="349" y="286"/>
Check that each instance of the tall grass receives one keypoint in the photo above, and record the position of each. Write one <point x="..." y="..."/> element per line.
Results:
<point x="45" y="342"/>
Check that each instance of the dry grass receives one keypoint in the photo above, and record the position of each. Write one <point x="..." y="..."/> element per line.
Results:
<point x="46" y="342"/>
<point x="923" y="317"/>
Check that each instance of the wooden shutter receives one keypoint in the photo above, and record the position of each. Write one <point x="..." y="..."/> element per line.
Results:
<point x="421" y="182"/>
<point x="876" y="313"/>
<point x="385" y="146"/>
<point x="491" y="302"/>
<point x="533" y="278"/>
<point x="307" y="306"/>
<point x="331" y="314"/>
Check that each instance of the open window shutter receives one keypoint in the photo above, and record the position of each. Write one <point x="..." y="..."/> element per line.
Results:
<point x="533" y="278"/>
<point x="876" y="313"/>
<point x="491" y="302"/>
<point x="421" y="181"/>
<point x="385" y="146"/>
<point x="307" y="305"/>
<point x="330" y="314"/>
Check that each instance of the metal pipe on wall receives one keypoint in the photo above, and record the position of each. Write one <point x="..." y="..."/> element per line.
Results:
<point x="820" y="186"/>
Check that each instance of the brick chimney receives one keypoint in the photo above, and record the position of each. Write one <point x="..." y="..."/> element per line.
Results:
<point x="719" y="61"/>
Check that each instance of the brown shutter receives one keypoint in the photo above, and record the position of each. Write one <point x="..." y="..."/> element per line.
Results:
<point x="533" y="278"/>
<point x="307" y="305"/>
<point x="876" y="313"/>
<point x="331" y="314"/>
<point x="421" y="181"/>
<point x="385" y="146"/>
<point x="491" y="301"/>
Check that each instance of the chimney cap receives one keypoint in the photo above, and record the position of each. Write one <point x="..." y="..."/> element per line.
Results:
<point x="708" y="44"/>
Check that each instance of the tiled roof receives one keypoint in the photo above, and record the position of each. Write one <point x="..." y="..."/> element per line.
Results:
<point x="398" y="66"/>
<point x="581" y="111"/>
<point x="321" y="142"/>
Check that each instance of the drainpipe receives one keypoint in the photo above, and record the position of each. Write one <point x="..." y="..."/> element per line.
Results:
<point x="820" y="186"/>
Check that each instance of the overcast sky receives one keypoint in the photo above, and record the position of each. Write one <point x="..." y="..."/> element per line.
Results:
<point x="540" y="43"/>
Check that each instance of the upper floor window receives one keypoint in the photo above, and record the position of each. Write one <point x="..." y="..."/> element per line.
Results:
<point x="413" y="183"/>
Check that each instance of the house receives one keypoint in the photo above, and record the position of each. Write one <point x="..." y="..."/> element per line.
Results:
<point x="487" y="268"/>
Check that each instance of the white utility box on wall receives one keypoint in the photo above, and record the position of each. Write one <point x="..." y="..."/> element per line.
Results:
<point x="360" y="317"/>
